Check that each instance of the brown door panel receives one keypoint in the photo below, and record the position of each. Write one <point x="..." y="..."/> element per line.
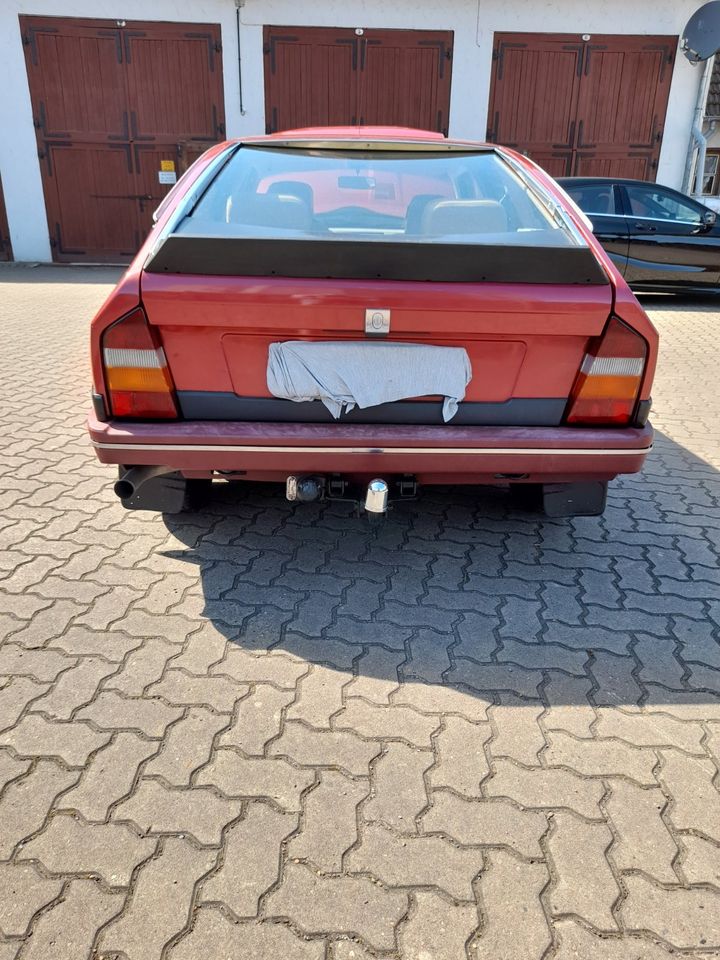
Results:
<point x="188" y="151"/>
<point x="405" y="79"/>
<point x="556" y="164"/>
<point x="150" y="191"/>
<point x="624" y="93"/>
<point x="604" y="99"/>
<point x="89" y="196"/>
<point x="322" y="76"/>
<point x="310" y="77"/>
<point x="77" y="79"/>
<point x="170" y="58"/>
<point x="533" y="102"/>
<point x="636" y="167"/>
<point x="109" y="104"/>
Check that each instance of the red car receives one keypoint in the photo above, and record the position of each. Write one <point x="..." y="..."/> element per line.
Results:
<point x="357" y="312"/>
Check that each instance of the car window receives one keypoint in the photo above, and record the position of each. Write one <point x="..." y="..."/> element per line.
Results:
<point x="592" y="198"/>
<point x="443" y="197"/>
<point x="657" y="204"/>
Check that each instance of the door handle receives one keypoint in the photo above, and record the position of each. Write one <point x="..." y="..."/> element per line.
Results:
<point x="645" y="227"/>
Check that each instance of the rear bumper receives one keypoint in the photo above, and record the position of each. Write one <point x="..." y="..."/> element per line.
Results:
<point x="439" y="454"/>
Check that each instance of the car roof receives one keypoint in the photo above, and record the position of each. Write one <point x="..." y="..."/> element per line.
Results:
<point x="630" y="180"/>
<point x="358" y="136"/>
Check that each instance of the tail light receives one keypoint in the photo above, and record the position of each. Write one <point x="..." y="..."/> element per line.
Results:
<point x="136" y="373"/>
<point x="607" y="387"/>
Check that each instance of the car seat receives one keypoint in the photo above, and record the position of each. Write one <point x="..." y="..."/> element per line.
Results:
<point x="465" y="217"/>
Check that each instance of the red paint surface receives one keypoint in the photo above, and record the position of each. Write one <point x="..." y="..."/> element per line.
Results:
<point x="275" y="461"/>
<point x="522" y="342"/>
<point x="631" y="446"/>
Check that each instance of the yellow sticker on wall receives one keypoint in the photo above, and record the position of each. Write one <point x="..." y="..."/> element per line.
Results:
<point x="167" y="164"/>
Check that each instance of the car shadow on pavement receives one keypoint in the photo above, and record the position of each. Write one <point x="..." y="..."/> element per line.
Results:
<point x="462" y="593"/>
<point x="42" y="273"/>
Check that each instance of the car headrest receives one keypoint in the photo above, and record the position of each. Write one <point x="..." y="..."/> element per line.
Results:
<point x="268" y="210"/>
<point x="465" y="216"/>
<point x="292" y="188"/>
<point x="416" y="210"/>
<point x="595" y="201"/>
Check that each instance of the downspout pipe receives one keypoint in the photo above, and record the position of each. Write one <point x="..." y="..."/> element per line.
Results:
<point x="698" y="140"/>
<point x="701" y="141"/>
<point x="238" y="5"/>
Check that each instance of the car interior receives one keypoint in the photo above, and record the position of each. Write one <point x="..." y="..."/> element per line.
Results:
<point x="592" y="198"/>
<point x="460" y="199"/>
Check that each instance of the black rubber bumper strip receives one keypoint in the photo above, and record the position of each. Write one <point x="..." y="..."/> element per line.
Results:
<point x="642" y="413"/>
<point x="99" y="407"/>
<point x="201" y="405"/>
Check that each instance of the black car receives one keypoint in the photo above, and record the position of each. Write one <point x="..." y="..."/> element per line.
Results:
<point x="658" y="238"/>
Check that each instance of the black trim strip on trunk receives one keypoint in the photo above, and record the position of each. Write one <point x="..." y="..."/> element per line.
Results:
<point x="376" y="260"/>
<point x="201" y="405"/>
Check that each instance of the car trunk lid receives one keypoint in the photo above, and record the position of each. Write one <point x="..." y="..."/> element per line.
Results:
<point x="525" y="342"/>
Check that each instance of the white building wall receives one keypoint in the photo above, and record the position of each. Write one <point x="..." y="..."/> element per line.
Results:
<point x="473" y="21"/>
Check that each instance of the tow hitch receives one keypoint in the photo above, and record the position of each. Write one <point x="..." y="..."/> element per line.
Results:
<point x="375" y="499"/>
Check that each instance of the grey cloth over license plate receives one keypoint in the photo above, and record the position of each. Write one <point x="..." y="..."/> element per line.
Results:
<point x="363" y="374"/>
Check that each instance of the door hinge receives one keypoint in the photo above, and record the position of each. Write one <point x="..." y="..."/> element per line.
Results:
<point x="218" y="47"/>
<point x="41" y="154"/>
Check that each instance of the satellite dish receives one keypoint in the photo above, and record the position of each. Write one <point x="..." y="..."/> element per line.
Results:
<point x="701" y="36"/>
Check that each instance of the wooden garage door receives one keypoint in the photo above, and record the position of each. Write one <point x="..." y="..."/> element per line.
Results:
<point x="5" y="248"/>
<point x="591" y="108"/>
<point x="315" y="77"/>
<point x="114" y="108"/>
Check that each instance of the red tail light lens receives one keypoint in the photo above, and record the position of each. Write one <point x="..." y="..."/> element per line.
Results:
<point x="136" y="373"/>
<point x="606" y="389"/>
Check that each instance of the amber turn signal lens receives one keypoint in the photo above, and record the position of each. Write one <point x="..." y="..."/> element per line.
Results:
<point x="137" y="377"/>
<point x="608" y="383"/>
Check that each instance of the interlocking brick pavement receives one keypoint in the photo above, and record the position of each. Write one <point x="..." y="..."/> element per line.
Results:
<point x="268" y="732"/>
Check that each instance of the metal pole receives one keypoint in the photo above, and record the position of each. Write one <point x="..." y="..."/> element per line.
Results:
<point x="238" y="4"/>
<point x="697" y="137"/>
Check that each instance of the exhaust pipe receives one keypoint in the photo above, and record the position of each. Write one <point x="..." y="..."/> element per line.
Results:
<point x="376" y="497"/>
<point x="131" y="481"/>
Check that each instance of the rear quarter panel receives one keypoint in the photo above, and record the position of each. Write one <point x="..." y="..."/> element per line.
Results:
<point x="625" y="304"/>
<point x="127" y="294"/>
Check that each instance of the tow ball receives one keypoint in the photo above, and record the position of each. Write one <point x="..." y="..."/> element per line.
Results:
<point x="376" y="497"/>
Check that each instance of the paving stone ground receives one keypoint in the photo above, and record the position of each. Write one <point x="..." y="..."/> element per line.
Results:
<point x="266" y="732"/>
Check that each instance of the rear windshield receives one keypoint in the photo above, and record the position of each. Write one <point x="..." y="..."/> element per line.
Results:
<point x="448" y="197"/>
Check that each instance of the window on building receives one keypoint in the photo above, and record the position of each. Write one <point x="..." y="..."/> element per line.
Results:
<point x="711" y="180"/>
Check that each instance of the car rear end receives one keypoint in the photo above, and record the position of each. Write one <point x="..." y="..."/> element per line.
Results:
<point x="391" y="239"/>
